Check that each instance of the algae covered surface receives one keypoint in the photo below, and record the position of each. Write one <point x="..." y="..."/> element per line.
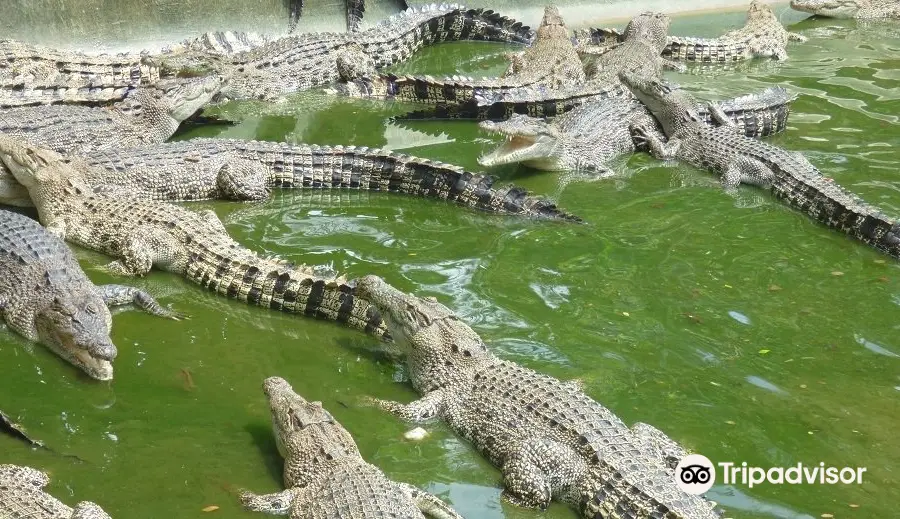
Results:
<point x="741" y="328"/>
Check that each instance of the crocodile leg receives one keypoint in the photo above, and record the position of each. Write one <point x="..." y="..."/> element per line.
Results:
<point x="537" y="468"/>
<point x="719" y="115"/>
<point x="20" y="319"/>
<point x="422" y="410"/>
<point x="115" y="295"/>
<point x="666" y="448"/>
<point x="279" y="503"/>
<point x="659" y="149"/>
<point x="747" y="170"/>
<point x="142" y="250"/>
<point x="429" y="504"/>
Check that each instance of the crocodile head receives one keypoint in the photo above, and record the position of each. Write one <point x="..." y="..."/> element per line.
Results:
<point x="24" y="160"/>
<point x="439" y="345"/>
<point x="531" y="141"/>
<point x="89" y="510"/>
<point x="308" y="437"/>
<point x="177" y="99"/>
<point x="76" y="327"/>
<point x="552" y="25"/>
<point x="649" y="26"/>
<point x="673" y="107"/>
<point x="831" y="8"/>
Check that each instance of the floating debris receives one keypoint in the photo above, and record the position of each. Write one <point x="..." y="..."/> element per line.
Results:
<point x="416" y="434"/>
<point x="739" y="317"/>
<point x="210" y="508"/>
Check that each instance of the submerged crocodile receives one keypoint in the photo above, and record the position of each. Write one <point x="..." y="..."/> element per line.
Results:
<point x="47" y="298"/>
<point x="22" y="496"/>
<point x="202" y="169"/>
<point x="324" y="473"/>
<point x="299" y="62"/>
<point x="592" y="135"/>
<point x="645" y="37"/>
<point x="150" y="114"/>
<point x="738" y="159"/>
<point x="761" y="36"/>
<point x="144" y="234"/>
<point x="550" y="440"/>
<point x="861" y="9"/>
<point x="550" y="60"/>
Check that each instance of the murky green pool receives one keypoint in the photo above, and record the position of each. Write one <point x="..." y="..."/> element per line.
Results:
<point x="738" y="326"/>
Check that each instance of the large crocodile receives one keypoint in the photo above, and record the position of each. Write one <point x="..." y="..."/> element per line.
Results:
<point x="592" y="135"/>
<point x="550" y="439"/>
<point x="550" y="60"/>
<point x="299" y="62"/>
<point x="738" y="159"/>
<point x="761" y="36"/>
<point x="144" y="234"/>
<point x="862" y="9"/>
<point x="149" y="114"/>
<point x="47" y="298"/>
<point x="645" y="37"/>
<point x="22" y="496"/>
<point x="325" y="476"/>
<point x="201" y="169"/>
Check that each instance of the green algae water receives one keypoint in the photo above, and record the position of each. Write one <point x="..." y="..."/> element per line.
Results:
<point x="741" y="328"/>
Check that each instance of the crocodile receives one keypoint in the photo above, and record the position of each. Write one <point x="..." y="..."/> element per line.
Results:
<point x="355" y="11"/>
<point x="788" y="175"/>
<point x="300" y="62"/>
<point x="550" y="440"/>
<point x="645" y="37"/>
<point x="143" y="234"/>
<point x="761" y="36"/>
<point x="47" y="298"/>
<point x="860" y="9"/>
<point x="590" y="136"/>
<point x="22" y="496"/>
<point x="324" y="473"/>
<point x="202" y="169"/>
<point x="150" y="114"/>
<point x="550" y="60"/>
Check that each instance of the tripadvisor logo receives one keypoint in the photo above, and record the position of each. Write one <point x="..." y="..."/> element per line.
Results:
<point x="696" y="474"/>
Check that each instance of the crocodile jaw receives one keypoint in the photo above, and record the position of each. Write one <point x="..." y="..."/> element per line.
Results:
<point x="830" y="8"/>
<point x="76" y="327"/>
<point x="193" y="95"/>
<point x="65" y="345"/>
<point x="534" y="145"/>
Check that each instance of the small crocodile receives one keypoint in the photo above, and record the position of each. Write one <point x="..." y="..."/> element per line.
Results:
<point x="202" y="169"/>
<point x="739" y="159"/>
<point x="144" y="234"/>
<point x="299" y="62"/>
<point x="550" y="440"/>
<point x="22" y="496"/>
<point x="761" y="36"/>
<point x="645" y="37"/>
<point x="47" y="298"/>
<point x="861" y="9"/>
<point x="592" y="135"/>
<point x="150" y="114"/>
<point x="550" y="60"/>
<point x="324" y="473"/>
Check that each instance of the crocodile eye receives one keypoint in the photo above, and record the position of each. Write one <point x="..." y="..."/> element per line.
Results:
<point x="92" y="308"/>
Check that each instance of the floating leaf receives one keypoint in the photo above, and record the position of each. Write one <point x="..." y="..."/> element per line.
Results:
<point x="210" y="508"/>
<point x="802" y="386"/>
<point x="837" y="273"/>
<point x="626" y="314"/>
<point x="763" y="352"/>
<point x="728" y="286"/>
<point x="730" y="422"/>
<point x="774" y="288"/>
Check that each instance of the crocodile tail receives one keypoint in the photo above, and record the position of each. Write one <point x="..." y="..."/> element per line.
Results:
<point x="417" y="89"/>
<point x="494" y="108"/>
<point x="831" y="204"/>
<point x="279" y="285"/>
<point x="760" y="114"/>
<point x="704" y="50"/>
<point x="377" y="170"/>
<point x="488" y="25"/>
<point x="19" y="95"/>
